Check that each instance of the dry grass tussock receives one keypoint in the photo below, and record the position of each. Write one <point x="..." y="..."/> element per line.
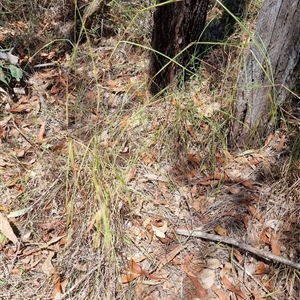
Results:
<point x="97" y="175"/>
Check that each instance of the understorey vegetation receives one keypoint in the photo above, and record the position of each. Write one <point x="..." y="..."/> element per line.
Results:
<point x="120" y="179"/>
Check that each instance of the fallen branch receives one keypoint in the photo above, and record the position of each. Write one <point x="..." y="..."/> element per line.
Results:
<point x="239" y="244"/>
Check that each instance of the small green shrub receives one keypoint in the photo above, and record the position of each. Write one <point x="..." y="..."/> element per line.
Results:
<point x="9" y="72"/>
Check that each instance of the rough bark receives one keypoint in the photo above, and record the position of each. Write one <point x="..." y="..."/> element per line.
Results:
<point x="176" y="25"/>
<point x="271" y="66"/>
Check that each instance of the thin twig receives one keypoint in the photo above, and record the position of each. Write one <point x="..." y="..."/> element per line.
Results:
<point x="239" y="244"/>
<point x="23" y="135"/>
<point x="75" y="286"/>
<point x="253" y="278"/>
<point x="46" y="65"/>
<point x="15" y="256"/>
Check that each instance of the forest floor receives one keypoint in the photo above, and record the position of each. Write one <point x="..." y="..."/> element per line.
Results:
<point x="104" y="188"/>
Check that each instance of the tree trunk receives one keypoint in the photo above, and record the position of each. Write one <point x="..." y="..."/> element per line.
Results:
<point x="272" y="65"/>
<point x="176" y="25"/>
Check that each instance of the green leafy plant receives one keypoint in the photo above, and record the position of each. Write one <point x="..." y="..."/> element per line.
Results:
<point x="9" y="72"/>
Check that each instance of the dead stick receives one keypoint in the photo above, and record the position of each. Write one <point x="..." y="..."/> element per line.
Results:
<point x="239" y="244"/>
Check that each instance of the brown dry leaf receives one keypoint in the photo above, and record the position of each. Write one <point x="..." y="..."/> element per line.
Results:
<point x="170" y="256"/>
<point x="167" y="240"/>
<point x="186" y="270"/>
<point x="269" y="139"/>
<point x="186" y="176"/>
<point x="134" y="271"/>
<point x="47" y="266"/>
<point x="28" y="252"/>
<point x="150" y="232"/>
<point x="147" y="222"/>
<point x="147" y="160"/>
<point x="275" y="245"/>
<point x="58" y="146"/>
<point x="54" y="240"/>
<point x="213" y="263"/>
<point x="138" y="232"/>
<point x="151" y="176"/>
<point x="3" y="126"/>
<point x="255" y="214"/>
<point x="34" y="261"/>
<point x="189" y="258"/>
<point x="175" y="102"/>
<point x="200" y="203"/>
<point x="63" y="285"/>
<point x="218" y="292"/>
<point x="40" y="136"/>
<point x="232" y="288"/>
<point x="220" y="159"/>
<point x="261" y="269"/>
<point x="131" y="175"/>
<point x="245" y="183"/>
<point x="7" y="230"/>
<point x="208" y="277"/>
<point x="194" y="190"/>
<point x="226" y="269"/>
<point x="191" y="131"/>
<point x="3" y="132"/>
<point x="46" y="74"/>
<point x="234" y="190"/>
<point x="54" y="90"/>
<point x="151" y="276"/>
<point x="163" y="188"/>
<point x="200" y="291"/>
<point x="194" y="159"/>
<point x="80" y="267"/>
<point x="211" y="108"/>
<point x="21" y="108"/>
<point x="117" y="85"/>
<point x="139" y="290"/>
<point x="220" y="230"/>
<point x="134" y="267"/>
<point x="238" y="255"/>
<point x="281" y="143"/>
<point x="160" y="229"/>
<point x="149" y="298"/>
<point x="257" y="296"/>
<point x="13" y="133"/>
<point x="227" y="283"/>
<point x="265" y="236"/>
<point x="129" y="277"/>
<point x="125" y="121"/>
<point x="50" y="225"/>
<point x="184" y="265"/>
<point x="57" y="290"/>
<point x="255" y="161"/>
<point x="16" y="271"/>
<point x="228" y="156"/>
<point x="224" y="177"/>
<point x="19" y="152"/>
<point x="191" y="174"/>
<point x="44" y="54"/>
<point x="216" y="176"/>
<point x="269" y="285"/>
